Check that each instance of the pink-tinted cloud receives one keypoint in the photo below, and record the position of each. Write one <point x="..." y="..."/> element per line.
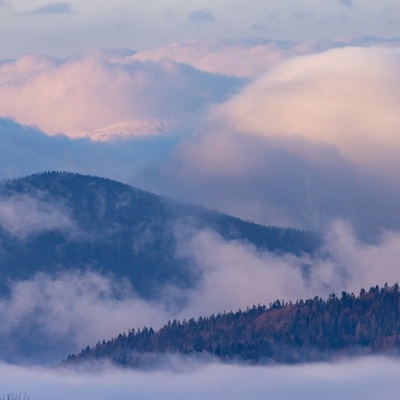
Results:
<point x="89" y="92"/>
<point x="241" y="58"/>
<point x="344" y="97"/>
<point x="315" y="138"/>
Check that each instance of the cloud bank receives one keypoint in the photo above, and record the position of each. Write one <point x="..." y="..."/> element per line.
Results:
<point x="310" y="141"/>
<point x="91" y="91"/>
<point x="50" y="316"/>
<point x="343" y="97"/>
<point x="367" y="378"/>
<point x="235" y="58"/>
<point x="300" y="141"/>
<point x="313" y="139"/>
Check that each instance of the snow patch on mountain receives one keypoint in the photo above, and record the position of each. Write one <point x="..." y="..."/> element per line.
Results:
<point x="137" y="128"/>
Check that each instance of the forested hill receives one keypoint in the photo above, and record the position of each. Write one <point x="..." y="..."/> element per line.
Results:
<point x="54" y="221"/>
<point x="308" y="330"/>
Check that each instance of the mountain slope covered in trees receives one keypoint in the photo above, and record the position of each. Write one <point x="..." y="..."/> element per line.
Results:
<point x="55" y="221"/>
<point x="307" y="330"/>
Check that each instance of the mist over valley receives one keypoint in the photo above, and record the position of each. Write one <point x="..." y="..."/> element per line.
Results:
<point x="199" y="200"/>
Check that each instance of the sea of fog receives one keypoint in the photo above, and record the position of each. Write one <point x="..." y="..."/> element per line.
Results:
<point x="359" y="378"/>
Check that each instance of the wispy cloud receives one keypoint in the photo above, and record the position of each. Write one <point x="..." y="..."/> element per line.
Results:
<point x="24" y="215"/>
<point x="347" y="3"/>
<point x="48" y="317"/>
<point x="236" y="58"/>
<point x="310" y="141"/>
<point x="201" y="16"/>
<point x="235" y="273"/>
<point x="59" y="8"/>
<point x="51" y="315"/>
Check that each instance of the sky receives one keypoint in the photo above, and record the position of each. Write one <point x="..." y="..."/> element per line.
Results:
<point x="64" y="27"/>
<point x="284" y="114"/>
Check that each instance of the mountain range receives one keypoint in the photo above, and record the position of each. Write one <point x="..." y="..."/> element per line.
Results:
<point x="55" y="221"/>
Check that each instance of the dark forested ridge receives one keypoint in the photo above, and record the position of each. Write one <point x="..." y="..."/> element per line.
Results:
<point x="58" y="221"/>
<point x="307" y="330"/>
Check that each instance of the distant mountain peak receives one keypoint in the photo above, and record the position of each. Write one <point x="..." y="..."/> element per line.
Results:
<point x="76" y="221"/>
<point x="137" y="128"/>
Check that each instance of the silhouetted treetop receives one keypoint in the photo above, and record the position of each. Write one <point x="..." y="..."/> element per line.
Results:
<point x="311" y="329"/>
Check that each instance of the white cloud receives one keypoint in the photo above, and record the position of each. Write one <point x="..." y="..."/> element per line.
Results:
<point x="23" y="215"/>
<point x="88" y="92"/>
<point x="237" y="275"/>
<point x="313" y="139"/>
<point x="297" y="147"/>
<point x="364" y="264"/>
<point x="272" y="154"/>
<point x="344" y="97"/>
<point x="278" y="180"/>
<point x="367" y="378"/>
<point x="46" y="318"/>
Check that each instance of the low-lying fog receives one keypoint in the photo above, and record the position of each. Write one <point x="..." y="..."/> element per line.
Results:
<point x="361" y="378"/>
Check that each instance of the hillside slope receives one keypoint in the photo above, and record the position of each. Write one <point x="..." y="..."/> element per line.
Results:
<point x="309" y="330"/>
<point x="53" y="221"/>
